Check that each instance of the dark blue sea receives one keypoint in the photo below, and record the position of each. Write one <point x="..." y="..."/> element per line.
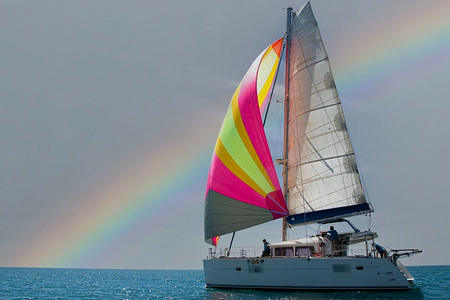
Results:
<point x="432" y="282"/>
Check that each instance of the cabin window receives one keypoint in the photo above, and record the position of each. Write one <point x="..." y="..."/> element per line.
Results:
<point x="304" y="251"/>
<point x="284" y="251"/>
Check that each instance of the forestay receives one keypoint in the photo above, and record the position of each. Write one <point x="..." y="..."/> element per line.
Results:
<point x="243" y="188"/>
<point x="323" y="178"/>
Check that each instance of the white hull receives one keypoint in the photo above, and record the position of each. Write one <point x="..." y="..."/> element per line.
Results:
<point x="340" y="273"/>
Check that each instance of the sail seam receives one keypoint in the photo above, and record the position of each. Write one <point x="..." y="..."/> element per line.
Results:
<point x="327" y="195"/>
<point x="216" y="202"/>
<point x="278" y="204"/>
<point x="325" y="158"/>
<point x="244" y="222"/>
<point x="321" y="107"/>
<point x="318" y="176"/>
<point x="318" y="154"/>
<point x="303" y="197"/>
<point x="307" y="66"/>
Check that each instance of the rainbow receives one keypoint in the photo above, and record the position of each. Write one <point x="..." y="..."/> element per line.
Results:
<point x="416" y="39"/>
<point x="150" y="188"/>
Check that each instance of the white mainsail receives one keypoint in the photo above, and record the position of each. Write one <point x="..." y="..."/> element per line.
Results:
<point x="323" y="178"/>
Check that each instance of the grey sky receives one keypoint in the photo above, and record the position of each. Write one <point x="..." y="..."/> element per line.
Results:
<point x="87" y="85"/>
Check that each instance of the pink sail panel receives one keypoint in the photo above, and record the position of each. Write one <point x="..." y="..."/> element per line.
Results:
<point x="243" y="189"/>
<point x="215" y="240"/>
<point x="252" y="119"/>
<point x="232" y="187"/>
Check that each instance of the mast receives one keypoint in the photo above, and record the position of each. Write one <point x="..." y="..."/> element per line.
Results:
<point x="286" y="116"/>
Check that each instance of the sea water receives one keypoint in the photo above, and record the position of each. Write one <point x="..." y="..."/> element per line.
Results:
<point x="432" y="282"/>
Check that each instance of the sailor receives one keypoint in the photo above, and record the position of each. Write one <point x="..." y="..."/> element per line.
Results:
<point x="334" y="236"/>
<point x="266" y="251"/>
<point x="325" y="244"/>
<point x="381" y="251"/>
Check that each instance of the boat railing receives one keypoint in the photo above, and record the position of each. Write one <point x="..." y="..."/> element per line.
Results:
<point x="240" y="252"/>
<point x="256" y="252"/>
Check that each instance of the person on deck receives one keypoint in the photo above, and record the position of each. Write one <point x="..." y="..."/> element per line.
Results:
<point x="334" y="238"/>
<point x="266" y="251"/>
<point x="381" y="251"/>
<point x="325" y="244"/>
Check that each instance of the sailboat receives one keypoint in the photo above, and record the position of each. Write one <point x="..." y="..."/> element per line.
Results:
<point x="321" y="180"/>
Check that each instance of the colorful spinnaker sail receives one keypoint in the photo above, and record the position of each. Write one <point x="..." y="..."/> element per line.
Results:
<point x="243" y="188"/>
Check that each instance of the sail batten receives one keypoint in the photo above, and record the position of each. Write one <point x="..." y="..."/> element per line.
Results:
<point x="323" y="178"/>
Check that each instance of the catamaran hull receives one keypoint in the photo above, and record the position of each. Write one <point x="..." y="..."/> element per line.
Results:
<point x="306" y="274"/>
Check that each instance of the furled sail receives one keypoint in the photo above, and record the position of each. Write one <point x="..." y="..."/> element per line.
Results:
<point x="243" y="188"/>
<point x="323" y="178"/>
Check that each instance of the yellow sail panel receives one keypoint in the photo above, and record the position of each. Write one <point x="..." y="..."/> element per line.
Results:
<point x="234" y="167"/>
<point x="235" y="140"/>
<point x="267" y="71"/>
<point x="246" y="140"/>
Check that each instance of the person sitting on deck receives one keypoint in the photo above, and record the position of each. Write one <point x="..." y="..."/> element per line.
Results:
<point x="266" y="251"/>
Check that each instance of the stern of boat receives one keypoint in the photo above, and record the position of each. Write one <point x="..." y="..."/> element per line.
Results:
<point x="403" y="270"/>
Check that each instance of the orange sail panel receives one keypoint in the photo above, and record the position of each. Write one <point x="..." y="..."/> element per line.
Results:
<point x="243" y="188"/>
